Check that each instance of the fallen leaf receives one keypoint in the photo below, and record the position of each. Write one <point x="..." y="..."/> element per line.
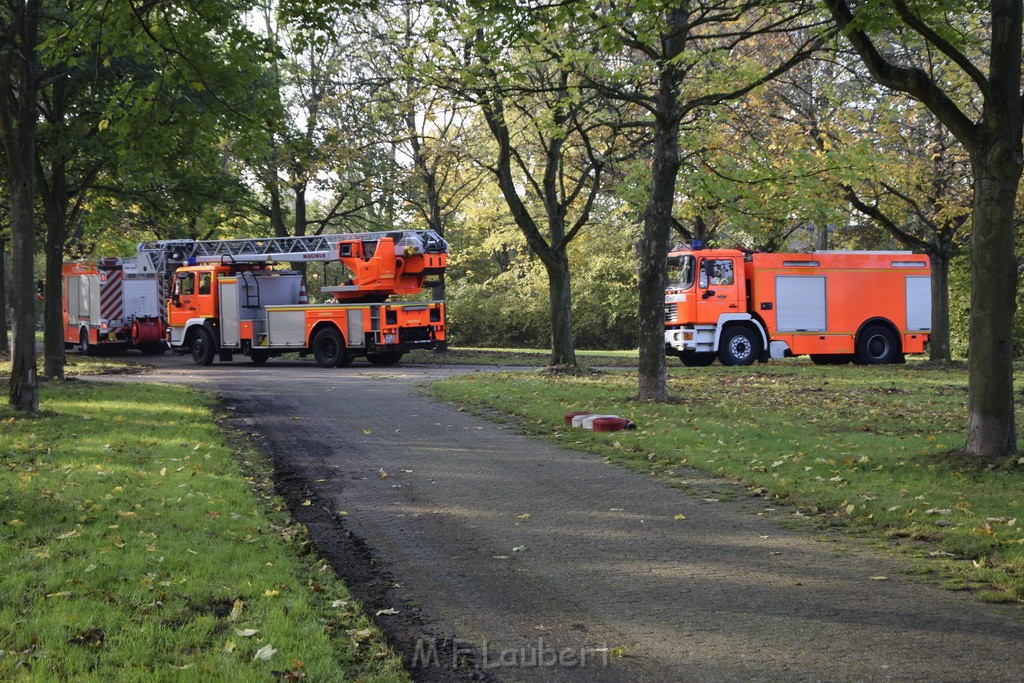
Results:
<point x="390" y="610"/>
<point x="524" y="517"/>
<point x="679" y="518"/>
<point x="382" y="474"/>
<point x="246" y="632"/>
<point x="306" y="503"/>
<point x="879" y="578"/>
<point x="265" y="652"/>
<point x="519" y="549"/>
<point x="236" y="610"/>
<point x="229" y="646"/>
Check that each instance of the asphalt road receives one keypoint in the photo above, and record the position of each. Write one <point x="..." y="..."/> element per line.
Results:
<point x="510" y="559"/>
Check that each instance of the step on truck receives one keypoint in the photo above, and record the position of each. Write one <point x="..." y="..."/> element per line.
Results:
<point x="834" y="306"/>
<point x="228" y="297"/>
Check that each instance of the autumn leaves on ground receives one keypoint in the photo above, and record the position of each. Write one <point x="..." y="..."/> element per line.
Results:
<point x="136" y="544"/>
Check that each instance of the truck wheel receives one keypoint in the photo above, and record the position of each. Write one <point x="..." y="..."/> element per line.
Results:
<point x="876" y="345"/>
<point x="387" y="358"/>
<point x="329" y="349"/>
<point x="693" y="359"/>
<point x="739" y="346"/>
<point x="203" y="347"/>
<point x="83" y="343"/>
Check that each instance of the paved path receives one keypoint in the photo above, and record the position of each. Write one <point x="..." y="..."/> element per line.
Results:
<point x="600" y="582"/>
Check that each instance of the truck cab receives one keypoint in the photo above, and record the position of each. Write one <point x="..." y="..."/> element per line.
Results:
<point x="706" y="297"/>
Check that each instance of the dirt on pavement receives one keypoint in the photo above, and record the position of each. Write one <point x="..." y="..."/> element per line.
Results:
<point x="485" y="554"/>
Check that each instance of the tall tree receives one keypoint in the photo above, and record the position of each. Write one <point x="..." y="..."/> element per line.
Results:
<point x="989" y="125"/>
<point x="674" y="61"/>
<point x="548" y="145"/>
<point x="133" y="102"/>
<point x="5" y="341"/>
<point x="549" y="142"/>
<point x="19" y="83"/>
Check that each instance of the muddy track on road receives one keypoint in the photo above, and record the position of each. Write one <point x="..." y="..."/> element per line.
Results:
<point x="367" y="578"/>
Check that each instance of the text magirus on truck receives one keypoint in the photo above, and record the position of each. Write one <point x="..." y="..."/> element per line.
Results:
<point x="835" y="306"/>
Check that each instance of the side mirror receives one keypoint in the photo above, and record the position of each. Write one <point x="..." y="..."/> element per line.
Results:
<point x="708" y="294"/>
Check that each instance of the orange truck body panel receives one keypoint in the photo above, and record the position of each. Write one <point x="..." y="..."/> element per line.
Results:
<point x="818" y="303"/>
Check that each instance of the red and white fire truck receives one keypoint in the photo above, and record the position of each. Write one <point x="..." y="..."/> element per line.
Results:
<point x="113" y="302"/>
<point x="835" y="306"/>
<point x="227" y="297"/>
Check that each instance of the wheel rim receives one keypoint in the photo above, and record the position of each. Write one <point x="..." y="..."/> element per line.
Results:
<point x="330" y="349"/>
<point x="199" y="347"/>
<point x="878" y="346"/>
<point x="739" y="347"/>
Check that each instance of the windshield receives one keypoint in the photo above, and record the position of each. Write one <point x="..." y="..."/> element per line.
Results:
<point x="680" y="271"/>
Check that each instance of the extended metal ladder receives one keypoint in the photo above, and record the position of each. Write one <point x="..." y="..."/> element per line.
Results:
<point x="166" y="255"/>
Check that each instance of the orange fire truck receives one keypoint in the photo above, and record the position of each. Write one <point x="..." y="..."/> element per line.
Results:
<point x="835" y="306"/>
<point x="228" y="298"/>
<point x="113" y="303"/>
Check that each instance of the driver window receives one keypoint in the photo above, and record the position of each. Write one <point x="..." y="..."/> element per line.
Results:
<point x="721" y="271"/>
<point x="205" y="279"/>
<point x="187" y="285"/>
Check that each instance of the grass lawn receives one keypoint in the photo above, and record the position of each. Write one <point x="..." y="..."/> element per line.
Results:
<point x="139" y="545"/>
<point x="861" y="447"/>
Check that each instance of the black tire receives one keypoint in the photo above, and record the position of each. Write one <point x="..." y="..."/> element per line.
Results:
<point x="329" y="349"/>
<point x="259" y="356"/>
<point x="831" y="358"/>
<point x="692" y="359"/>
<point x="204" y="349"/>
<point x="876" y="345"/>
<point x="383" y="359"/>
<point x="739" y="346"/>
<point x="84" y="346"/>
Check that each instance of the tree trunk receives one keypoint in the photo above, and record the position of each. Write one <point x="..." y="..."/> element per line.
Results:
<point x="24" y="388"/>
<point x="991" y="432"/>
<point x="5" y="340"/>
<point x="563" y="351"/>
<point x="55" y="212"/>
<point x="19" y="80"/>
<point x="938" y="344"/>
<point x="654" y="243"/>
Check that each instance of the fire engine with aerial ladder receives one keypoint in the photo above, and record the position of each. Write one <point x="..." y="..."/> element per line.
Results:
<point x="216" y="298"/>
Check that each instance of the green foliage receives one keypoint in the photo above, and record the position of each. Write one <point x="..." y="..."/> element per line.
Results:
<point x="856" y="445"/>
<point x="137" y="547"/>
<point x="497" y="292"/>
